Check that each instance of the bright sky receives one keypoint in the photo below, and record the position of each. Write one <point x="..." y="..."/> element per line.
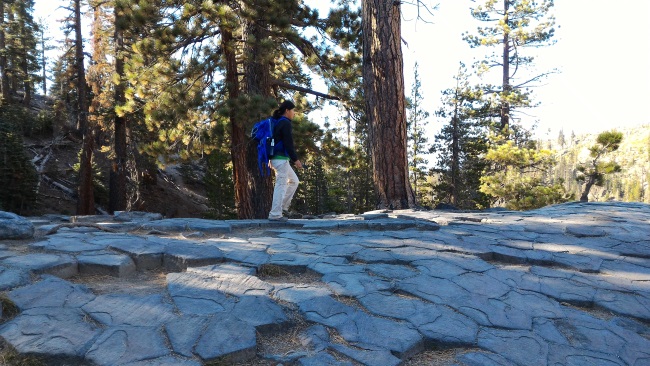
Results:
<point x="602" y="51"/>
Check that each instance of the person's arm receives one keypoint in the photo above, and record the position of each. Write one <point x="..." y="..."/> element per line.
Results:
<point x="287" y="140"/>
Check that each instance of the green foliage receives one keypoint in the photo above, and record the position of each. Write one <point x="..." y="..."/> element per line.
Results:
<point x="218" y="178"/>
<point x="18" y="176"/>
<point x="461" y="144"/>
<point x="513" y="27"/>
<point x="416" y="123"/>
<point x="594" y="172"/>
<point x="518" y="177"/>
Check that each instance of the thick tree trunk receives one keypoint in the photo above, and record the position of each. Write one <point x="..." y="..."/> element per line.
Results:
<point x="43" y="62"/>
<point x="3" y="56"/>
<point x="27" y="85"/>
<point x="383" y="83"/>
<point x="117" y="179"/>
<point x="505" y="106"/>
<point x="86" y="199"/>
<point x="237" y="133"/>
<point x="257" y="75"/>
<point x="585" y="193"/>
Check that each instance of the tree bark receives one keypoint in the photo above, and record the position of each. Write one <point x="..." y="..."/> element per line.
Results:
<point x="505" y="106"/>
<point x="24" y="65"/>
<point x="86" y="199"/>
<point x="383" y="82"/>
<point x="585" y="194"/>
<point x="117" y="180"/>
<point x="257" y="75"/>
<point x="237" y="134"/>
<point x="3" y="56"/>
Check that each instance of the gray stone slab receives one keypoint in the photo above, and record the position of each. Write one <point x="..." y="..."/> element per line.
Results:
<point x="585" y="231"/>
<point x="520" y="347"/>
<point x="334" y="265"/>
<point x="368" y="357"/>
<point x="570" y="356"/>
<point x="624" y="303"/>
<point x="585" y="332"/>
<point x="165" y="361"/>
<point x="239" y="346"/>
<point x="106" y="264"/>
<point x="316" y="338"/>
<point x="14" y="227"/>
<point x="129" y="310"/>
<point x="126" y="216"/>
<point x="483" y="359"/>
<point x="296" y="294"/>
<point x="261" y="312"/>
<point x="400" y="338"/>
<point x="356" y="284"/>
<point x="242" y="251"/>
<point x="231" y="279"/>
<point x="181" y="254"/>
<point x="169" y="225"/>
<point x="184" y="331"/>
<point x="293" y="259"/>
<point x="51" y="292"/>
<point x="322" y="359"/>
<point x="209" y="226"/>
<point x="197" y="294"/>
<point x="439" y="324"/>
<point x="359" y="328"/>
<point x="11" y="278"/>
<point x="63" y="266"/>
<point x="66" y="245"/>
<point x="390" y="271"/>
<point x="55" y="334"/>
<point x="121" y="345"/>
<point x="146" y="254"/>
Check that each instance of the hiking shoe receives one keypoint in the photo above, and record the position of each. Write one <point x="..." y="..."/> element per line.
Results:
<point x="279" y="219"/>
<point x="291" y="214"/>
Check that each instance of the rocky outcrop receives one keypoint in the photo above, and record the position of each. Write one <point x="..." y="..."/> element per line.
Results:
<point x="13" y="227"/>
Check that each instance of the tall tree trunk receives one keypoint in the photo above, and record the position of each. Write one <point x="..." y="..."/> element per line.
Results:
<point x="43" y="62"/>
<point x="585" y="193"/>
<point x="257" y="75"/>
<point x="3" y="56"/>
<point x="238" y="143"/>
<point x="383" y="83"/>
<point x="117" y="179"/>
<point x="24" y="65"/>
<point x="505" y="105"/>
<point x="86" y="199"/>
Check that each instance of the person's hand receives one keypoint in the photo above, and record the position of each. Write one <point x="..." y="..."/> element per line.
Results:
<point x="298" y="164"/>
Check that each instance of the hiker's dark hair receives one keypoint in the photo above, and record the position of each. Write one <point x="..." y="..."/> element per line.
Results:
<point x="284" y="106"/>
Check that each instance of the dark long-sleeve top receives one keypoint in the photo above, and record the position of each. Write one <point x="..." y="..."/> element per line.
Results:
<point x="283" y="136"/>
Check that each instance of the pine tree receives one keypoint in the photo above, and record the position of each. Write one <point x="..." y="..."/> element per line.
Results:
<point x="518" y="177"/>
<point x="461" y="144"/>
<point x="593" y="172"/>
<point x="23" y="50"/>
<point x="383" y="81"/>
<point x="517" y="25"/>
<point x="417" y="140"/>
<point x="252" y="47"/>
<point x="4" y="67"/>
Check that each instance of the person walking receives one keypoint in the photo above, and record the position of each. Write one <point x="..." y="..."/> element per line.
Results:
<point x="284" y="153"/>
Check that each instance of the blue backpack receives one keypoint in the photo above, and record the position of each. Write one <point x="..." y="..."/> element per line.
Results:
<point x="262" y="132"/>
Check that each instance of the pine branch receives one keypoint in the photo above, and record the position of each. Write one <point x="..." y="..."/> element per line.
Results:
<point x="282" y="84"/>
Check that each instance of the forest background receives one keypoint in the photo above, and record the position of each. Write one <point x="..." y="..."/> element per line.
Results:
<point x="340" y="180"/>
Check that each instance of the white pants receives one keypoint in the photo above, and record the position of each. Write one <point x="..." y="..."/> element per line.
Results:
<point x="286" y="183"/>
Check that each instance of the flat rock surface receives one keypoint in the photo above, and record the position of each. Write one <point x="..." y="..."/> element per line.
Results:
<point x="563" y="285"/>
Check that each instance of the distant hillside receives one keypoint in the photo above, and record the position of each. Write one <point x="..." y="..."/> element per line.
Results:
<point x="631" y="185"/>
